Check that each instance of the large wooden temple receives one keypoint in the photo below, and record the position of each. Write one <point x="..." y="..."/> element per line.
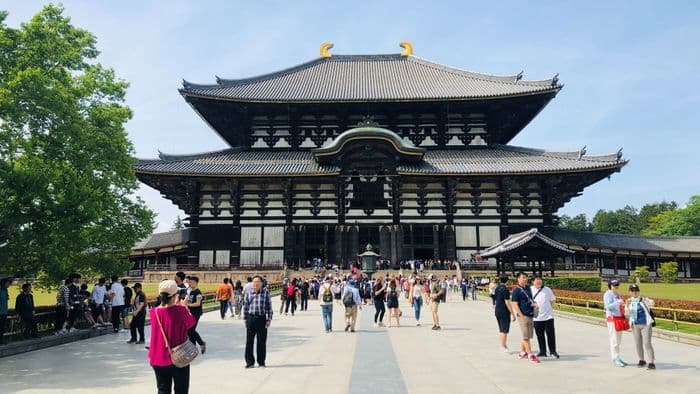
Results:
<point x="407" y="154"/>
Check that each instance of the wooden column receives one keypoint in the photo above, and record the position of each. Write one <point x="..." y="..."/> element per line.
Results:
<point x="193" y="198"/>
<point x="235" y="190"/>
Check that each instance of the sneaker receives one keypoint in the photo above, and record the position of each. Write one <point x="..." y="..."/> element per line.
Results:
<point x="651" y="366"/>
<point x="73" y="329"/>
<point x="554" y="354"/>
<point x="131" y="341"/>
<point x="641" y="363"/>
<point x="141" y="342"/>
<point x="95" y="326"/>
<point x="434" y="328"/>
<point x="541" y="354"/>
<point x="534" y="359"/>
<point x="376" y="325"/>
<point x="347" y="327"/>
<point x="417" y="324"/>
<point x="249" y="366"/>
<point x="619" y="362"/>
<point x="438" y="328"/>
<point x="505" y="350"/>
<point x="522" y="355"/>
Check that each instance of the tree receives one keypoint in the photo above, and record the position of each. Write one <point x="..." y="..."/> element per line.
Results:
<point x="641" y="274"/>
<point x="578" y="222"/>
<point x="621" y="221"/>
<point x="679" y="222"/>
<point x="177" y="224"/>
<point x="648" y="211"/>
<point x="66" y="174"/>
<point x="668" y="272"/>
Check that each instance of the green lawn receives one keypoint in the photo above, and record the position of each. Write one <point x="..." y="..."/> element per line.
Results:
<point x="673" y="291"/>
<point x="49" y="298"/>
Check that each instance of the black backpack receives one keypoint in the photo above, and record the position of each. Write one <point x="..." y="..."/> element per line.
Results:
<point x="348" y="299"/>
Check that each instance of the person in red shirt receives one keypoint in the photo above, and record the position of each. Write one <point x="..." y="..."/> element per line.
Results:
<point x="176" y="321"/>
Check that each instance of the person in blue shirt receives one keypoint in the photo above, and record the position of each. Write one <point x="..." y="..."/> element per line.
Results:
<point x="524" y="308"/>
<point x="4" y="306"/>
<point x="641" y="321"/>
<point x="351" y="300"/>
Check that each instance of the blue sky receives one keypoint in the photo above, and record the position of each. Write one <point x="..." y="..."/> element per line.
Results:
<point x="630" y="70"/>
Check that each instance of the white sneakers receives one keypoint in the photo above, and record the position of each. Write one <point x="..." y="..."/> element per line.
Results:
<point x="505" y="350"/>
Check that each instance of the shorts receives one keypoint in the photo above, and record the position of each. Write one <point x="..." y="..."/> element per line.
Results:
<point x="503" y="323"/>
<point x="96" y="310"/>
<point x="526" y="326"/>
<point x="434" y="306"/>
<point x="125" y="312"/>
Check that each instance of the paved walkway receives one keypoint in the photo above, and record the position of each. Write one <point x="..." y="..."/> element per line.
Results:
<point x="462" y="358"/>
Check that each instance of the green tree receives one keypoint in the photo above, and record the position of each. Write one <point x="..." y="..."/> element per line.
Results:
<point x="177" y="224"/>
<point x="682" y="221"/>
<point x="641" y="274"/>
<point x="621" y="221"/>
<point x="66" y="177"/>
<point x="649" y="211"/>
<point x="578" y="222"/>
<point x="668" y="272"/>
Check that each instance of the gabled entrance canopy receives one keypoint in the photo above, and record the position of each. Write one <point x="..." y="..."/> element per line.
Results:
<point x="530" y="246"/>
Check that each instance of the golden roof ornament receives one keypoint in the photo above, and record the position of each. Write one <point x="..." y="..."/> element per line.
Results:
<point x="325" y="47"/>
<point x="407" y="48"/>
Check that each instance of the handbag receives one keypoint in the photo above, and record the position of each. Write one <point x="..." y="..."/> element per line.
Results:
<point x="621" y="323"/>
<point x="181" y="355"/>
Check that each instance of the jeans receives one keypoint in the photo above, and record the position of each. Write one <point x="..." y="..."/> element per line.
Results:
<point x="223" y="305"/>
<point x="137" y="324"/>
<point x="304" y="303"/>
<point x="474" y="295"/>
<point x="327" y="312"/>
<point x="417" y="304"/>
<point x="117" y="317"/>
<point x="464" y="294"/>
<point x="543" y="328"/>
<point x="642" y="341"/>
<point x="380" y="309"/>
<point x="166" y="376"/>
<point x="255" y="327"/>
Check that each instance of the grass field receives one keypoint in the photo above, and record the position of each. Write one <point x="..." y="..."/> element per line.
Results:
<point x="49" y="298"/>
<point x="673" y="291"/>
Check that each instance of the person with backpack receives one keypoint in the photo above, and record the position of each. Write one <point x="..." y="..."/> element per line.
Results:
<point x="437" y="292"/>
<point x="291" y="297"/>
<point x="641" y="322"/>
<point x="351" y="301"/>
<point x="325" y="299"/>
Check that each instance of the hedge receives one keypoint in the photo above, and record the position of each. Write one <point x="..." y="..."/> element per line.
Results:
<point x="579" y="283"/>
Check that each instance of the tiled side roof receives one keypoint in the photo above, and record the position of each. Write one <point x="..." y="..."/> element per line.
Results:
<point x="515" y="241"/>
<point x="163" y="240"/>
<point x="627" y="242"/>
<point x="497" y="160"/>
<point x="356" y="78"/>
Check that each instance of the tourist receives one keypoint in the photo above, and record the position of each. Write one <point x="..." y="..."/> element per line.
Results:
<point x="492" y="289"/>
<point x="180" y="280"/>
<point x="229" y="306"/>
<point x="379" y="298"/>
<point x="641" y="322"/>
<point x="238" y="298"/>
<point x="194" y="304"/>
<point x="437" y="292"/>
<point x="426" y="291"/>
<point x="304" y="295"/>
<point x="76" y="303"/>
<point x="99" y="292"/>
<point x="503" y="311"/>
<point x="336" y="291"/>
<point x="107" y="306"/>
<point x="392" y="302"/>
<point x="223" y="294"/>
<point x="416" y="298"/>
<point x="473" y="287"/>
<point x="257" y="311"/>
<point x="351" y="301"/>
<point x="62" y="307"/>
<point x="283" y="295"/>
<point x="248" y="285"/>
<point x="5" y="284"/>
<point x="463" y="286"/>
<point x="116" y="294"/>
<point x="85" y="300"/>
<point x="291" y="292"/>
<point x="543" y="319"/>
<point x="171" y="323"/>
<point x="128" y="293"/>
<point x="138" y="311"/>
<point x="615" y="318"/>
<point x="325" y="300"/>
<point x="524" y="311"/>
<point x="24" y="307"/>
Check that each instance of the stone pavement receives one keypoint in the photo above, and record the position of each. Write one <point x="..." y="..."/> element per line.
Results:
<point x="462" y="358"/>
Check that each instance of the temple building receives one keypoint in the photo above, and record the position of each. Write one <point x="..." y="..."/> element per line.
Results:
<point x="393" y="150"/>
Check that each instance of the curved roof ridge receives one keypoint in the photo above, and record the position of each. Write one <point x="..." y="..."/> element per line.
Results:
<point x="191" y="156"/>
<point x="570" y="155"/>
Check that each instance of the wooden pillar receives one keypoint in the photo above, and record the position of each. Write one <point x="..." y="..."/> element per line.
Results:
<point x="235" y="190"/>
<point x="552" y="266"/>
<point x="615" y="262"/>
<point x="436" y="241"/>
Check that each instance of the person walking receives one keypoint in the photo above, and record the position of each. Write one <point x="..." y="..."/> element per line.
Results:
<point x="463" y="287"/>
<point x="283" y="295"/>
<point x="291" y="299"/>
<point x="138" y="311"/>
<point x="238" y="298"/>
<point x="544" y="318"/>
<point x="473" y="287"/>
<point x="194" y="304"/>
<point x="379" y="294"/>
<point x="98" y="295"/>
<point x="172" y="321"/>
<point x="304" y="295"/>
<point x="392" y="302"/>
<point x="62" y="308"/>
<point x="325" y="300"/>
<point x="492" y="289"/>
<point x="641" y="322"/>
<point x="615" y="319"/>
<point x="437" y="291"/>
<point x="4" y="306"/>
<point x="503" y="311"/>
<point x="128" y="294"/>
<point x="524" y="309"/>
<point x="257" y="311"/>
<point x="351" y="301"/>
<point x="24" y="307"/>
<point x="416" y="298"/>
<point x="116" y="294"/>
<point x="223" y="294"/>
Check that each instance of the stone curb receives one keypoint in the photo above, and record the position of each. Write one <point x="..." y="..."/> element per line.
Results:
<point x="20" y="347"/>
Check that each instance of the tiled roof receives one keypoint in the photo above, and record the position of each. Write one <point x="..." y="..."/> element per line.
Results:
<point x="163" y="240"/>
<point x="359" y="78"/>
<point x="627" y="242"/>
<point x="515" y="241"/>
<point x="496" y="160"/>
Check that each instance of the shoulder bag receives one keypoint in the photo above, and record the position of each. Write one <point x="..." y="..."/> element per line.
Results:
<point x="181" y="355"/>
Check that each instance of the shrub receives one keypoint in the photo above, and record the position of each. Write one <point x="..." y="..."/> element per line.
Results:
<point x="581" y="283"/>
<point x="668" y="272"/>
<point x="641" y="274"/>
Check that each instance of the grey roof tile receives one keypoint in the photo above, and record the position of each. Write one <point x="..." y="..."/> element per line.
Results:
<point x="627" y="242"/>
<point x="353" y="78"/>
<point x="515" y="241"/>
<point x="162" y="240"/>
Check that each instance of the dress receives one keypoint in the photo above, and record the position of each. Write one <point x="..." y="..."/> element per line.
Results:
<point x="392" y="299"/>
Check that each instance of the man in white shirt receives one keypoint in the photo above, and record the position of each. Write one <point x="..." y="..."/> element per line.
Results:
<point x="98" y="298"/>
<point x="544" y="317"/>
<point x="116" y="294"/>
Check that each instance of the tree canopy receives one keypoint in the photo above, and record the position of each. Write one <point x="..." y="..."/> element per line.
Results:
<point x="627" y="220"/>
<point x="66" y="177"/>
<point x="682" y="221"/>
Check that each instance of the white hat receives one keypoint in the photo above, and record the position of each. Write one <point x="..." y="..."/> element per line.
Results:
<point x="168" y="286"/>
